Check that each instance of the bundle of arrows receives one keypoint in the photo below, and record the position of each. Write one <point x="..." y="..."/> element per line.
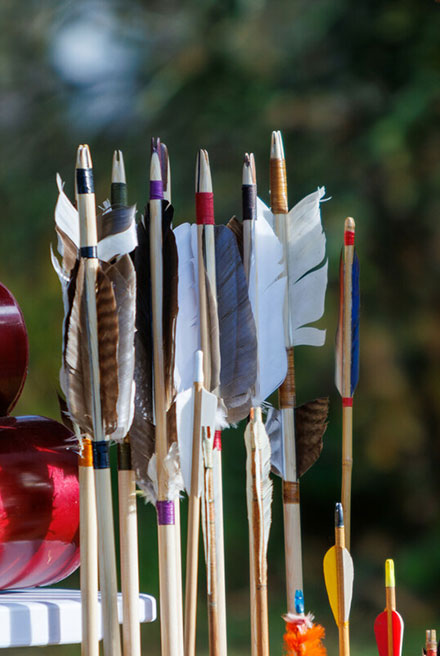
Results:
<point x="171" y="335"/>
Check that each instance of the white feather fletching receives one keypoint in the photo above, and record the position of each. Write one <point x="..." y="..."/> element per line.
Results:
<point x="187" y="324"/>
<point x="267" y="288"/>
<point x="306" y="250"/>
<point x="307" y="280"/>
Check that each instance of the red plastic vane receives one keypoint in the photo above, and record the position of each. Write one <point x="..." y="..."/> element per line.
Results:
<point x="381" y="633"/>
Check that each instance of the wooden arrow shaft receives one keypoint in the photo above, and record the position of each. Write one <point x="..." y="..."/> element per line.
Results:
<point x="106" y="541"/>
<point x="192" y="551"/>
<point x="213" y="610"/>
<point x="390" y="606"/>
<point x="291" y="500"/>
<point x="344" y="639"/>
<point x="347" y="411"/>
<point x="168" y="536"/>
<point x="258" y="566"/>
<point x="88" y="535"/>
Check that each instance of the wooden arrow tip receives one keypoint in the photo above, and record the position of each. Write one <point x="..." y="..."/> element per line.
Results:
<point x="276" y="146"/>
<point x="155" y="172"/>
<point x="350" y="224"/>
<point x="248" y="174"/>
<point x="83" y="157"/>
<point x="118" y="168"/>
<point x="203" y="172"/>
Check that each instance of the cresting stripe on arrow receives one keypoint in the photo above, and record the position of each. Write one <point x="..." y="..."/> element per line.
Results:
<point x="165" y="513"/>
<point x="218" y="440"/>
<point x="101" y="458"/>
<point x="156" y="190"/>
<point x="86" y="455"/>
<point x="204" y="208"/>
<point x="349" y="238"/>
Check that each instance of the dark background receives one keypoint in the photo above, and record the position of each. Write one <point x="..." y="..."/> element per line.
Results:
<point x="355" y="89"/>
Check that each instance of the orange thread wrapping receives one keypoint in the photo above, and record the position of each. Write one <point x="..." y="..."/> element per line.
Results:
<point x="86" y="455"/>
<point x="287" y="390"/>
<point x="278" y="186"/>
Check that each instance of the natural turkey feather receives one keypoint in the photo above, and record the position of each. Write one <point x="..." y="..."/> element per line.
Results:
<point x="310" y="426"/>
<point x="115" y="303"/>
<point x="77" y="359"/>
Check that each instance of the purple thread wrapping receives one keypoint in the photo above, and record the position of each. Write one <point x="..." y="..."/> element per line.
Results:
<point x="165" y="512"/>
<point x="156" y="190"/>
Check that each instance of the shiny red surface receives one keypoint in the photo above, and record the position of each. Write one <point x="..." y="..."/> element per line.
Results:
<point x="39" y="502"/>
<point x="14" y="351"/>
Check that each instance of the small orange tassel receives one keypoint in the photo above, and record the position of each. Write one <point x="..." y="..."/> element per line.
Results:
<point x="302" y="641"/>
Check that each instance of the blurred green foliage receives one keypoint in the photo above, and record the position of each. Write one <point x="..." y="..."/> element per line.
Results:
<point x="355" y="89"/>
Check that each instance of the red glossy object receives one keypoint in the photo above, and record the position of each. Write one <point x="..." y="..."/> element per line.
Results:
<point x="381" y="633"/>
<point x="14" y="351"/>
<point x="39" y="502"/>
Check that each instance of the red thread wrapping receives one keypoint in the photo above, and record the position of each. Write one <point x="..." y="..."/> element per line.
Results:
<point x="218" y="440"/>
<point x="349" y="237"/>
<point x="347" y="402"/>
<point x="205" y="208"/>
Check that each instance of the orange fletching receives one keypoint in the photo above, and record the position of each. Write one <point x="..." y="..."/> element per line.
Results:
<point x="301" y="641"/>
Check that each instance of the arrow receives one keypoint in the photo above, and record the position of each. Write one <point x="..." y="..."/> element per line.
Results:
<point x="388" y="626"/>
<point x="94" y="305"/>
<point x="431" y="643"/>
<point x="206" y="245"/>
<point x="262" y="255"/>
<point x="215" y="317"/>
<point x="347" y="358"/>
<point x="300" y="232"/>
<point x="210" y="539"/>
<point x="338" y="575"/>
<point x="302" y="637"/>
<point x="88" y="537"/>
<point x="128" y="535"/>
<point x="196" y="412"/>
<point x="163" y="325"/>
